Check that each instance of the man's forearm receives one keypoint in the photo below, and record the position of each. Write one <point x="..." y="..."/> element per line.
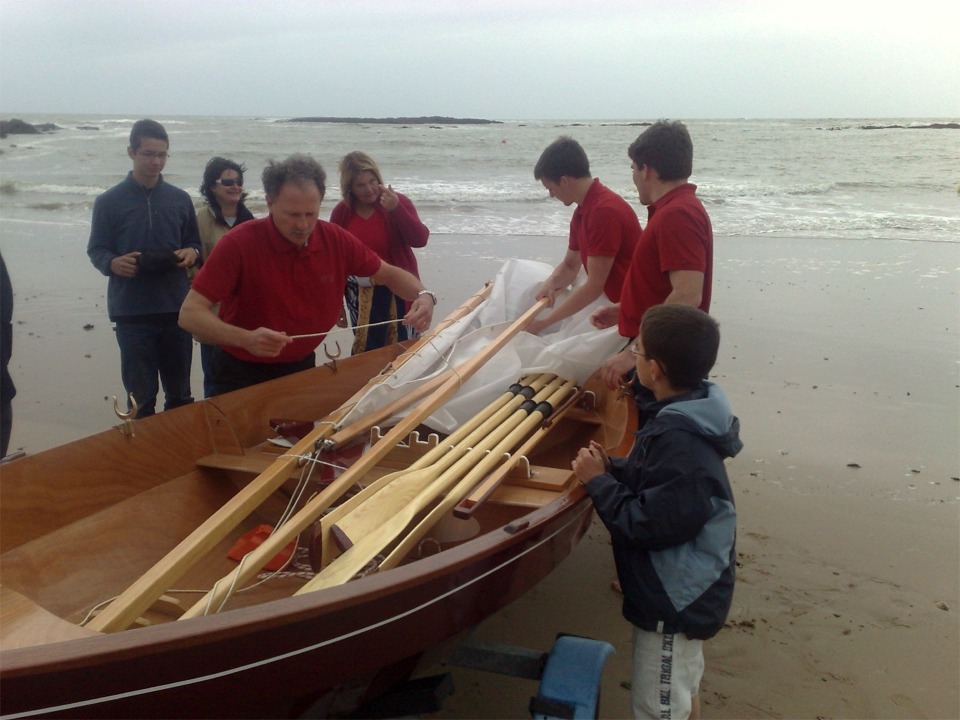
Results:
<point x="198" y="319"/>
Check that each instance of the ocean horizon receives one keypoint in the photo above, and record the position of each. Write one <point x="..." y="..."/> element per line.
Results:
<point x="817" y="178"/>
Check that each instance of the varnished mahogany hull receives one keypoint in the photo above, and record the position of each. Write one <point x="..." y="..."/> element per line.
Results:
<point x="263" y="660"/>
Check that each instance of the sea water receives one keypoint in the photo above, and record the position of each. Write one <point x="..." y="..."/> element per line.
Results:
<point x="796" y="178"/>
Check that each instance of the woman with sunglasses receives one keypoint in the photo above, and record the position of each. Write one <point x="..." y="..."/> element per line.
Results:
<point x="387" y="223"/>
<point x="222" y="188"/>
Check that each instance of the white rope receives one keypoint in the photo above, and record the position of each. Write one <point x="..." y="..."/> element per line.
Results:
<point x="355" y="327"/>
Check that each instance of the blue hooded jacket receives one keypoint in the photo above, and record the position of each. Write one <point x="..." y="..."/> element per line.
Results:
<point x="670" y="512"/>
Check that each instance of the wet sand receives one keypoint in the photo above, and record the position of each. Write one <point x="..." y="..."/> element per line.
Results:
<point x="841" y="360"/>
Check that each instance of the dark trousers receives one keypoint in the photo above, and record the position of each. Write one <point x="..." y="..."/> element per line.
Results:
<point x="231" y="373"/>
<point x="6" y="426"/>
<point x="152" y="347"/>
<point x="207" y="353"/>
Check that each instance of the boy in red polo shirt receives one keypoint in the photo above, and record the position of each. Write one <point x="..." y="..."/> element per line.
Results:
<point x="604" y="230"/>
<point x="673" y="262"/>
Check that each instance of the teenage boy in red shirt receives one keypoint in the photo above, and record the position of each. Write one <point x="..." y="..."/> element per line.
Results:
<point x="603" y="232"/>
<point x="673" y="262"/>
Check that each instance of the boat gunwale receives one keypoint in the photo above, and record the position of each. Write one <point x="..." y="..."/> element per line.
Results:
<point x="128" y="644"/>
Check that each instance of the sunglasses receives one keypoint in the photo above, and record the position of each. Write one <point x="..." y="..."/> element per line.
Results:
<point x="229" y="183"/>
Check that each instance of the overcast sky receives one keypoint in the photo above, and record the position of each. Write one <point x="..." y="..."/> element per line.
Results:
<point x="510" y="59"/>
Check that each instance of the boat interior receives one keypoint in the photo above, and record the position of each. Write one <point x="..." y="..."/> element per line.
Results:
<point x="82" y="522"/>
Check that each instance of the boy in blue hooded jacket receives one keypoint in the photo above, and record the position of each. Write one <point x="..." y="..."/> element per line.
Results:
<point x="670" y="511"/>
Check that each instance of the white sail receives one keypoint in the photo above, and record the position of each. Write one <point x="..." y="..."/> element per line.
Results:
<point x="572" y="349"/>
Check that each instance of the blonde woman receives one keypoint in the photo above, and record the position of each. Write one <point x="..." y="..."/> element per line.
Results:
<point x="387" y="223"/>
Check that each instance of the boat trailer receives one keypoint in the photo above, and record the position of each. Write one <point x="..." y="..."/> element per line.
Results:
<point x="569" y="677"/>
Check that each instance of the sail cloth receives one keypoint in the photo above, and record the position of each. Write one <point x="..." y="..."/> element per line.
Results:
<point x="573" y="349"/>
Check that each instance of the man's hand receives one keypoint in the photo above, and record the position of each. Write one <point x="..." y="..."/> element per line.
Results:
<point x="125" y="265"/>
<point x="616" y="367"/>
<point x="590" y="462"/>
<point x="547" y="291"/>
<point x="605" y="317"/>
<point x="420" y="314"/>
<point x="264" y="342"/>
<point x="188" y="257"/>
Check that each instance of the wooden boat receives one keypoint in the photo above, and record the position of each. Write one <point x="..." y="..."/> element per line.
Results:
<point x="85" y="522"/>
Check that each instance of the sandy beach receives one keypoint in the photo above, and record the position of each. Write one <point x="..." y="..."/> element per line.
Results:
<point x="841" y="360"/>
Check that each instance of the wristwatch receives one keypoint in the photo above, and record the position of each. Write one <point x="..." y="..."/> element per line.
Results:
<point x="432" y="295"/>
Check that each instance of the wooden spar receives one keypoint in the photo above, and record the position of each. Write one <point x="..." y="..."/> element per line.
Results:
<point x="343" y="435"/>
<point x="256" y="559"/>
<point x="465" y="308"/>
<point x="467" y="505"/>
<point x="130" y="604"/>
<point x="447" y="451"/>
<point x="506" y="456"/>
<point x="365" y="424"/>
<point x="395" y="499"/>
<point x="380" y="525"/>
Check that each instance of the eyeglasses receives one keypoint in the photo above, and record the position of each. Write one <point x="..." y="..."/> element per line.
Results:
<point x="228" y="182"/>
<point x="150" y="155"/>
<point x="636" y="352"/>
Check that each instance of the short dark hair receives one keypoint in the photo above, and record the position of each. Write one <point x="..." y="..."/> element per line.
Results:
<point x="667" y="148"/>
<point x="299" y="169"/>
<point x="147" y="129"/>
<point x="563" y="156"/>
<point x="683" y="339"/>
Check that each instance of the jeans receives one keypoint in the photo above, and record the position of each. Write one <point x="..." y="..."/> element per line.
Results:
<point x="152" y="346"/>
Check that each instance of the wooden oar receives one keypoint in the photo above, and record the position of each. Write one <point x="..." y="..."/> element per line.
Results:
<point x="256" y="559"/>
<point x="445" y="453"/>
<point x="130" y="604"/>
<point x="466" y="507"/>
<point x="505" y="456"/>
<point x="375" y="524"/>
<point x="385" y="504"/>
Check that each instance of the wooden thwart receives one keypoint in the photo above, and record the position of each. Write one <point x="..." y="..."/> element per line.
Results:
<point x="23" y="623"/>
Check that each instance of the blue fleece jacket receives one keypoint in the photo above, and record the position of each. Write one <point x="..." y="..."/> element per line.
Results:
<point x="130" y="217"/>
<point x="670" y="512"/>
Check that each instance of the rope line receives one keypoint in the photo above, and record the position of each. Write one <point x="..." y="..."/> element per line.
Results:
<point x="355" y="327"/>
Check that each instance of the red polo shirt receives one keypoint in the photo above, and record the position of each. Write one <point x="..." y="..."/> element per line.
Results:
<point x="605" y="225"/>
<point x="261" y="279"/>
<point x="678" y="236"/>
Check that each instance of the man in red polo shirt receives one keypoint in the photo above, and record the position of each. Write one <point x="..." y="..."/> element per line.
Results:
<point x="284" y="276"/>
<point x="603" y="232"/>
<point x="673" y="262"/>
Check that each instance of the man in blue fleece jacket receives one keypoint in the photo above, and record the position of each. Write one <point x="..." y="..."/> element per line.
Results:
<point x="670" y="511"/>
<point x="143" y="237"/>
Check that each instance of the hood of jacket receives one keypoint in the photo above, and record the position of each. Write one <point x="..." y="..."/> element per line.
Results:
<point x="704" y="411"/>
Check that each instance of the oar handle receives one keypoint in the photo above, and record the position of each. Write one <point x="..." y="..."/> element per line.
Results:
<point x="444" y="454"/>
<point x="466" y="507"/>
<point x="377" y="527"/>
<point x="486" y="465"/>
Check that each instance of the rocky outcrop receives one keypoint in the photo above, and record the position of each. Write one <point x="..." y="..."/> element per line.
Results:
<point x="431" y="120"/>
<point x="931" y="126"/>
<point x="15" y="126"/>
